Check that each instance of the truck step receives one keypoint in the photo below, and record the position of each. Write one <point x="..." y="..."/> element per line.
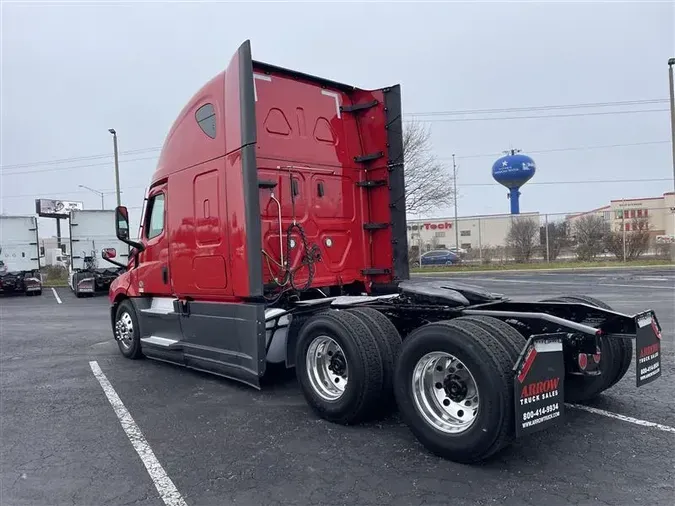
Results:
<point x="375" y="226"/>
<point x="358" y="107"/>
<point x="369" y="157"/>
<point x="266" y="184"/>
<point x="160" y="306"/>
<point x="374" y="272"/>
<point x="169" y="344"/>
<point x="372" y="184"/>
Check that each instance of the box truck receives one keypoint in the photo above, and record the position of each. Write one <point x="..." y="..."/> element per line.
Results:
<point x="92" y="232"/>
<point x="19" y="255"/>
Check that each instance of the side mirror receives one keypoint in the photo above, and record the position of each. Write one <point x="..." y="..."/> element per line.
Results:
<point x="109" y="253"/>
<point x="122" y="223"/>
<point x="122" y="228"/>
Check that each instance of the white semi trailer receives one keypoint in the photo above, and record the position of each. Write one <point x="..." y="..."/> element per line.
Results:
<point x="19" y="255"/>
<point x="92" y="232"/>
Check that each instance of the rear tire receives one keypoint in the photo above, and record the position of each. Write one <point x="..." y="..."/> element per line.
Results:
<point x="339" y="367"/>
<point x="425" y="401"/>
<point x="625" y="346"/>
<point x="615" y="360"/>
<point x="501" y="330"/>
<point x="389" y="344"/>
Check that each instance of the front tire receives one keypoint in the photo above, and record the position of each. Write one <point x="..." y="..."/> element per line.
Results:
<point x="126" y="330"/>
<point x="339" y="367"/>
<point x="454" y="391"/>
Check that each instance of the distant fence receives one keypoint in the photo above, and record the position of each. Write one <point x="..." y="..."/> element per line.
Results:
<point x="619" y="234"/>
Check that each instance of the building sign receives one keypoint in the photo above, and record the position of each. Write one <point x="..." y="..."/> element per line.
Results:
<point x="433" y="226"/>
<point x="49" y="208"/>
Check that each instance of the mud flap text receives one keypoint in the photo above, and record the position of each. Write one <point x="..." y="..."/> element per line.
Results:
<point x="647" y="349"/>
<point x="539" y="384"/>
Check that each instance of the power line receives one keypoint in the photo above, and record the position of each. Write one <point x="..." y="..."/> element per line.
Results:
<point x="57" y="169"/>
<point x="74" y="192"/>
<point x="594" y="181"/>
<point x="486" y="155"/>
<point x="541" y="108"/>
<point x="77" y="158"/>
<point x="530" y="183"/>
<point x="429" y="113"/>
<point x="541" y="116"/>
<point x="555" y="150"/>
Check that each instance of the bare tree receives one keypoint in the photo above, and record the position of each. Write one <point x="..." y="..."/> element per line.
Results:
<point x="590" y="231"/>
<point x="637" y="240"/>
<point x="428" y="182"/>
<point x="558" y="238"/>
<point x="521" y="238"/>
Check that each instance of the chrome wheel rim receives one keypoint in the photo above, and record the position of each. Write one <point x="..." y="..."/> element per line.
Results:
<point x="327" y="368"/>
<point x="445" y="392"/>
<point x="125" y="330"/>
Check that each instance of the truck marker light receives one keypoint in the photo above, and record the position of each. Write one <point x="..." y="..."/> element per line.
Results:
<point x="596" y="357"/>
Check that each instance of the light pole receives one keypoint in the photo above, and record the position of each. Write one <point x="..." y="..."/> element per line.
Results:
<point x="97" y="192"/>
<point x="454" y="179"/>
<point x="117" y="166"/>
<point x="671" y="62"/>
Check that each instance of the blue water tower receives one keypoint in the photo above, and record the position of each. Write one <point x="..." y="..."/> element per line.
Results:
<point x="513" y="171"/>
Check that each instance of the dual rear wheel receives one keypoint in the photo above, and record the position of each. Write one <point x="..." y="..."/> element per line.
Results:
<point x="345" y="364"/>
<point x="452" y="381"/>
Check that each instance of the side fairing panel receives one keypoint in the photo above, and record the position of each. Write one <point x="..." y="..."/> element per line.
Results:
<point x="215" y="224"/>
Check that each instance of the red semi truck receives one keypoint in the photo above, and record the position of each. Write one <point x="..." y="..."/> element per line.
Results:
<point x="274" y="231"/>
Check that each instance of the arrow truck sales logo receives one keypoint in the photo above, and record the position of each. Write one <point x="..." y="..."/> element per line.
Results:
<point x="647" y="350"/>
<point x="538" y="385"/>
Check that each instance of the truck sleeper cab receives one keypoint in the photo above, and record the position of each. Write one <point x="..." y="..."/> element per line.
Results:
<point x="274" y="231"/>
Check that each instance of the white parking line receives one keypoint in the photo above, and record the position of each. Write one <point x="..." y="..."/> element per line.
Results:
<point x="167" y="490"/>
<point x="651" y="287"/>
<point x="58" y="299"/>
<point x="630" y="419"/>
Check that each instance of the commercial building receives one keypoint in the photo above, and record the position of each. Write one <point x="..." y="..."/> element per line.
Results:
<point x="475" y="232"/>
<point x="657" y="213"/>
<point x="490" y="231"/>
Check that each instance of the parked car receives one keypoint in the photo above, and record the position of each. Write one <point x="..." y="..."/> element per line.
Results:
<point x="458" y="251"/>
<point x="438" y="257"/>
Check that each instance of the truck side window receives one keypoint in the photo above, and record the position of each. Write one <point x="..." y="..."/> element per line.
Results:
<point x="206" y="119"/>
<point x="156" y="219"/>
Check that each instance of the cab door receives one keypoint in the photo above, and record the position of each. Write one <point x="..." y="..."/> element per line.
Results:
<point x="153" y="274"/>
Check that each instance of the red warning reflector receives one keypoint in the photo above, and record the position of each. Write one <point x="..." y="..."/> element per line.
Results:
<point x="655" y="328"/>
<point x="583" y="361"/>
<point x="596" y="358"/>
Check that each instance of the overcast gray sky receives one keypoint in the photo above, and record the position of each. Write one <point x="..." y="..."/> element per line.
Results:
<point x="71" y="71"/>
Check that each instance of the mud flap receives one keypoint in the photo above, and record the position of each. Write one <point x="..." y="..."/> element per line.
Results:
<point x="539" y="383"/>
<point x="647" y="348"/>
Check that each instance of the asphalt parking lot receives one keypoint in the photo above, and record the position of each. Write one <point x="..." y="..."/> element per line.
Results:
<point x="221" y="443"/>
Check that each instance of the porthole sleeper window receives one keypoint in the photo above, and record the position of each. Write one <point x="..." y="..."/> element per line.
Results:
<point x="206" y="119"/>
